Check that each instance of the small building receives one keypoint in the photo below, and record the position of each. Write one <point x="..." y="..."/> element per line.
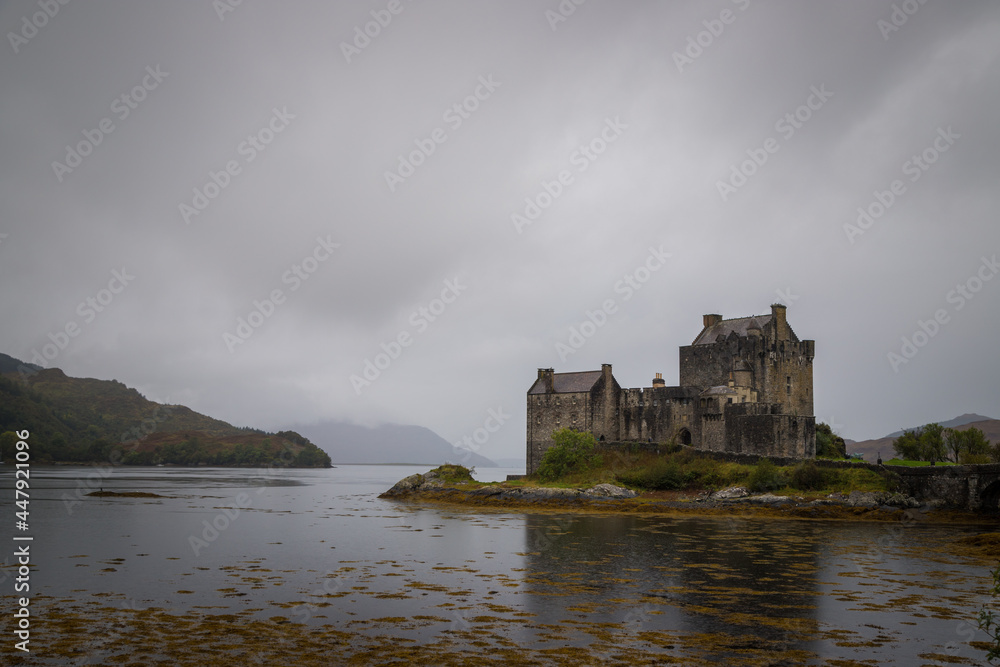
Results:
<point x="746" y="386"/>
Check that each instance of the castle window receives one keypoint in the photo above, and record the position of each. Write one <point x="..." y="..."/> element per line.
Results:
<point x="788" y="385"/>
<point x="729" y="400"/>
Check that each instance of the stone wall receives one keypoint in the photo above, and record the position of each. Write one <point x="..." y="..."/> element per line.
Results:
<point x="755" y="428"/>
<point x="551" y="412"/>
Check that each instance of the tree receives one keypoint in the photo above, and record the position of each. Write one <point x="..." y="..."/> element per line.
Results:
<point x="8" y="445"/>
<point x="573" y="451"/>
<point x="968" y="446"/>
<point x="829" y="444"/>
<point x="908" y="446"/>
<point x="932" y="442"/>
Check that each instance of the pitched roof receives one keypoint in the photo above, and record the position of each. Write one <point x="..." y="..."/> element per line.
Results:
<point x="568" y="383"/>
<point x="726" y="327"/>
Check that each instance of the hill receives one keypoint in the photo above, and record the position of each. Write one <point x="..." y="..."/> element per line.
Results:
<point x="387" y="443"/>
<point x="963" y="420"/>
<point x="84" y="419"/>
<point x="870" y="448"/>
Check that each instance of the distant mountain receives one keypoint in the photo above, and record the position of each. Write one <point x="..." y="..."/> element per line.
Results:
<point x="871" y="448"/>
<point x="84" y="420"/>
<point x="388" y="443"/>
<point x="510" y="463"/>
<point x="967" y="418"/>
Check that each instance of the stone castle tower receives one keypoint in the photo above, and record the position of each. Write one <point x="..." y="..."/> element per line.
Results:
<point x="746" y="385"/>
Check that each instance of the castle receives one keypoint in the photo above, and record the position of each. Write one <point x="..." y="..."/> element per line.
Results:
<point x="746" y="385"/>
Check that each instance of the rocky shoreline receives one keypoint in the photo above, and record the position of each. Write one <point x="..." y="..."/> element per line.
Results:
<point x="877" y="506"/>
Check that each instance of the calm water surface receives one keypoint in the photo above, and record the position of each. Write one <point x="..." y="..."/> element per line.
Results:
<point x="318" y="548"/>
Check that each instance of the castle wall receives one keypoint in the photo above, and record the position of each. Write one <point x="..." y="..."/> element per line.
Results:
<point x="774" y="362"/>
<point x="758" y="428"/>
<point x="551" y="412"/>
<point x="780" y="376"/>
<point x="783" y="361"/>
<point x="653" y="414"/>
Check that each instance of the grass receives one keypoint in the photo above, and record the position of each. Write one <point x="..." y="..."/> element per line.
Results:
<point x="913" y="464"/>
<point x="688" y="470"/>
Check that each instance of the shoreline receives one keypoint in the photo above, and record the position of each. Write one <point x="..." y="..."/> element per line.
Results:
<point x="610" y="499"/>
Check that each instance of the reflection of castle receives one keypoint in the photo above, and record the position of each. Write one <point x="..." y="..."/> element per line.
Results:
<point x="745" y="386"/>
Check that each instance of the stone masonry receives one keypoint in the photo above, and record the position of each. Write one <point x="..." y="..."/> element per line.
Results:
<point x="746" y="386"/>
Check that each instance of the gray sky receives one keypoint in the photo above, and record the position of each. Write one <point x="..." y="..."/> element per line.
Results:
<point x="632" y="126"/>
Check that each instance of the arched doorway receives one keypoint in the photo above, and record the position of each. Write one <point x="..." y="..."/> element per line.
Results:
<point x="990" y="497"/>
<point x="684" y="437"/>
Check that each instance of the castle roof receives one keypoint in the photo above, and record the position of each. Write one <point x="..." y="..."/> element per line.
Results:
<point x="719" y="390"/>
<point x="739" y="325"/>
<point x="568" y="383"/>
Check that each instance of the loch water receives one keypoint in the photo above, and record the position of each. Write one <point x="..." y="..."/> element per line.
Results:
<point x="312" y="551"/>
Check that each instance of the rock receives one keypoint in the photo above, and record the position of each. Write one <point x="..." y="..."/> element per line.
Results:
<point x="610" y="491"/>
<point x="865" y="499"/>
<point x="902" y="501"/>
<point x="405" y="486"/>
<point x="768" y="499"/>
<point x="731" y="492"/>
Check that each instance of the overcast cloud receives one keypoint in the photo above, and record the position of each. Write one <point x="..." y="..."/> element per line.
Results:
<point x="667" y="120"/>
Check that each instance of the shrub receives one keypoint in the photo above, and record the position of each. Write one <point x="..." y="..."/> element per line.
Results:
<point x="664" y="474"/>
<point x="808" y="476"/>
<point x="765" y="476"/>
<point x="573" y="451"/>
<point x="452" y="473"/>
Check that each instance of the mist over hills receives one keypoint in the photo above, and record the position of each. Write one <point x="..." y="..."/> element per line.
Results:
<point x="387" y="443"/>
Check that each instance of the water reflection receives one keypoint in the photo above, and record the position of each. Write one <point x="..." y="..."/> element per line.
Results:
<point x="318" y="548"/>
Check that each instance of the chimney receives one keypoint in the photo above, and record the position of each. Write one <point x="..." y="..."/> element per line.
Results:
<point x="545" y="374"/>
<point x="606" y="372"/>
<point x="711" y="320"/>
<point x="780" y="324"/>
<point x="658" y="381"/>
